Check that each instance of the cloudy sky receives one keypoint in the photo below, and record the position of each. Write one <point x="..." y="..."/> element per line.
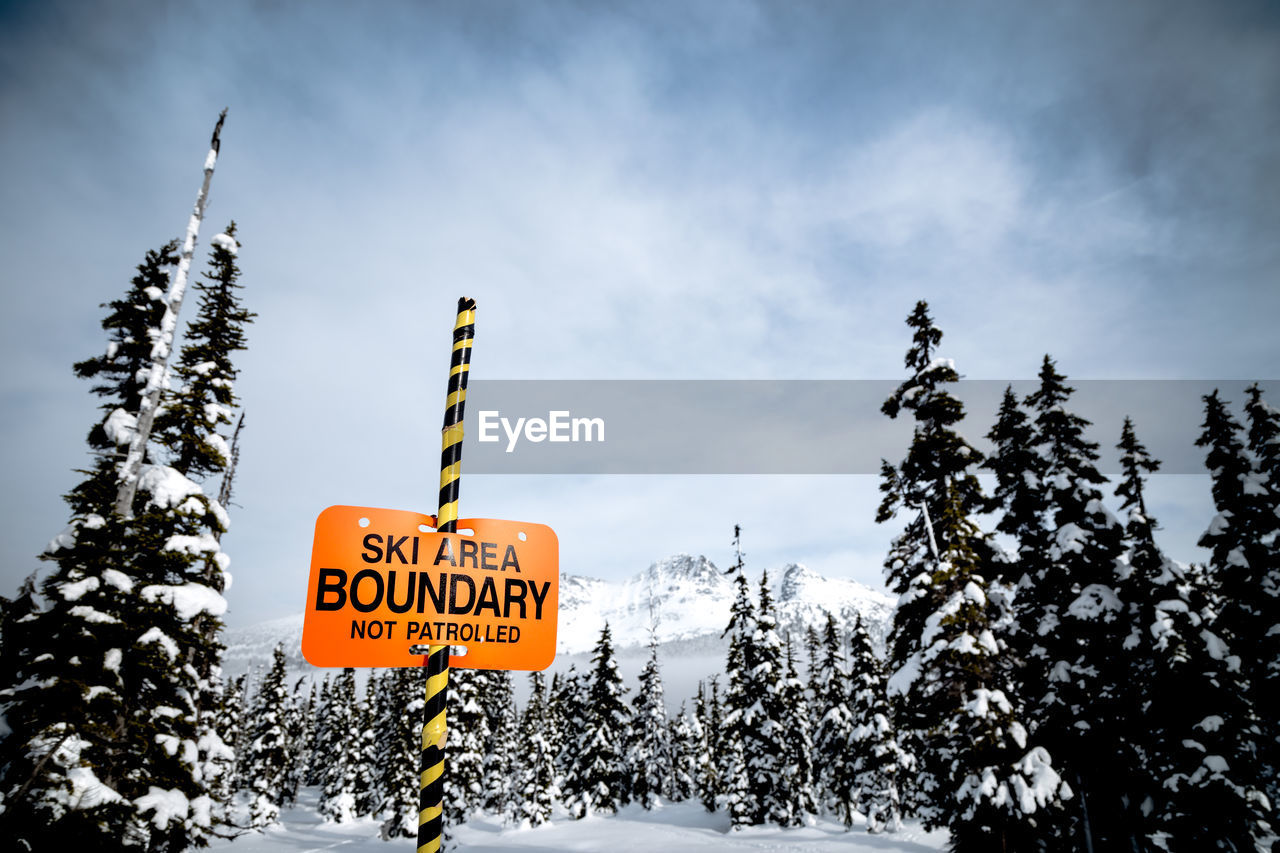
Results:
<point x="692" y="190"/>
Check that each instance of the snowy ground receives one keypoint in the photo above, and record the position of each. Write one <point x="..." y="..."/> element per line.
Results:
<point x="682" y="826"/>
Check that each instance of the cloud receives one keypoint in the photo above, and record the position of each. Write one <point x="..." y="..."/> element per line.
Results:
<point x="714" y="190"/>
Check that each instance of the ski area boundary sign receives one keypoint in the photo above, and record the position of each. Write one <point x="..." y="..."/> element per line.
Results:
<point x="383" y="582"/>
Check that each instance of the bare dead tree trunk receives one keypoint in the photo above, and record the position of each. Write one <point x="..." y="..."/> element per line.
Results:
<point x="131" y="468"/>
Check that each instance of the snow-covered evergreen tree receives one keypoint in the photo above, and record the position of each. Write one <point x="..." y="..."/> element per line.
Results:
<point x="835" y="760"/>
<point x="650" y="749"/>
<point x="1243" y="540"/>
<point x="813" y="687"/>
<point x="740" y="713"/>
<point x="229" y="723"/>
<point x="266" y="763"/>
<point x="1020" y="494"/>
<point x="1264" y="445"/>
<point x="133" y="723"/>
<point x="535" y="783"/>
<point x="399" y="727"/>
<point x="302" y="711"/>
<point x="978" y="775"/>
<point x="67" y="755"/>
<point x="1146" y="583"/>
<point x="498" y="699"/>
<point x="205" y="370"/>
<point x="321" y="735"/>
<point x="688" y="748"/>
<point x="707" y="714"/>
<point x="337" y="793"/>
<point x="605" y="769"/>
<point x="766" y="745"/>
<point x="465" y="741"/>
<point x="878" y="762"/>
<point x="795" y="793"/>
<point x="569" y="716"/>
<point x="1188" y="760"/>
<point x="366" y="752"/>
<point x="1078" y="621"/>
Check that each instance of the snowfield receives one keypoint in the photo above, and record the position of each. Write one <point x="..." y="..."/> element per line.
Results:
<point x="672" y="828"/>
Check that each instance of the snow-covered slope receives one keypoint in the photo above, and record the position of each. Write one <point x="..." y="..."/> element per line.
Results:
<point x="676" y="827"/>
<point x="684" y="599"/>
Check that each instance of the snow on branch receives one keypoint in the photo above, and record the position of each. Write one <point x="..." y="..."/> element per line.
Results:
<point x="188" y="600"/>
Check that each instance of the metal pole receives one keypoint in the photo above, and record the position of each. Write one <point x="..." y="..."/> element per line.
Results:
<point x="431" y="795"/>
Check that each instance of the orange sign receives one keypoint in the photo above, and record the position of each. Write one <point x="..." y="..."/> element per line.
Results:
<point x="384" y="584"/>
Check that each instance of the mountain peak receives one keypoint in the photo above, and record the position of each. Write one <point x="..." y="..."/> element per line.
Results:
<point x="681" y="567"/>
<point x="797" y="580"/>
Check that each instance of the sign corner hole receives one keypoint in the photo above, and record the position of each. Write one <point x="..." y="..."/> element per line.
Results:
<point x="523" y="537"/>
<point x="364" y="522"/>
<point x="422" y="528"/>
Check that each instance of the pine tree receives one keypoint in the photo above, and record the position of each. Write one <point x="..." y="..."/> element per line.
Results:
<point x="337" y="794"/>
<point x="766" y="744"/>
<point x="978" y="774"/>
<point x="266" y="762"/>
<point x="877" y="760"/>
<point x="399" y="732"/>
<point x="535" y="784"/>
<point x="836" y="785"/>
<point x="228" y="723"/>
<point x="1206" y="784"/>
<point x="365" y="753"/>
<point x="205" y="370"/>
<point x="740" y="712"/>
<point x="650" y="748"/>
<point x="321" y="735"/>
<point x="1264" y="445"/>
<point x="688" y="750"/>
<point x="569" y="715"/>
<point x="67" y="770"/>
<point x="605" y="769"/>
<point x="498" y="699"/>
<point x="1242" y="536"/>
<point x="1020" y="495"/>
<point x="1078" y="619"/>
<point x="707" y="715"/>
<point x="120" y="375"/>
<point x="298" y="726"/>
<point x="795" y="776"/>
<point x="1188" y="764"/>
<point x="1145" y="585"/>
<point x="465" y="741"/>
<point x="814" y="688"/>
<point x="135" y="724"/>
<point x="175" y="543"/>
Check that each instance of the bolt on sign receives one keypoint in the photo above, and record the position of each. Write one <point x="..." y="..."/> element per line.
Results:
<point x="384" y="582"/>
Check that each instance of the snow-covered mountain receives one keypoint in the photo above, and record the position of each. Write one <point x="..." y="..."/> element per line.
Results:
<point x="684" y="599"/>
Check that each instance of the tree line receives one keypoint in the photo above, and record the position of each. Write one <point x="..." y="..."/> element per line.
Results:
<point x="584" y="743"/>
<point x="1078" y="689"/>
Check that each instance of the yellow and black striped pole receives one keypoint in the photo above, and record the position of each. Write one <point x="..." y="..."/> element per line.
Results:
<point x="431" y="795"/>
